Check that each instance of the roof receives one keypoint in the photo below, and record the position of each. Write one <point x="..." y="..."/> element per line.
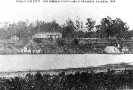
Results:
<point x="44" y="34"/>
<point x="111" y="49"/>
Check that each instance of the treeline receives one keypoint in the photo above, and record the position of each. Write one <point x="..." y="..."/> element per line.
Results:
<point x="24" y="30"/>
<point x="110" y="80"/>
<point x="107" y="28"/>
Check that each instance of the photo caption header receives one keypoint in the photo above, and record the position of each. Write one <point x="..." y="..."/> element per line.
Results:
<point x="65" y="1"/>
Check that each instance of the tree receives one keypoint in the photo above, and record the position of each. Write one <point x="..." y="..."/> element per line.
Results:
<point x="119" y="28"/>
<point x="130" y="34"/>
<point x="80" y="34"/>
<point x="22" y="31"/>
<point x="99" y="32"/>
<point x="68" y="29"/>
<point x="112" y="28"/>
<point x="12" y="30"/>
<point x="105" y="27"/>
<point x="78" y="24"/>
<point x="47" y="26"/>
<point x="79" y="28"/>
<point x="90" y="24"/>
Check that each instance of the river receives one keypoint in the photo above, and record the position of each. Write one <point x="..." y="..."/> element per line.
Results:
<point x="59" y="61"/>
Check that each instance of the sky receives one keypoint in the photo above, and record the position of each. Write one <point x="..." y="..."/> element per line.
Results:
<point x="11" y="11"/>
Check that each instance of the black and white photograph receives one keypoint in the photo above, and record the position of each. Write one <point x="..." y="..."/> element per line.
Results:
<point x="66" y="45"/>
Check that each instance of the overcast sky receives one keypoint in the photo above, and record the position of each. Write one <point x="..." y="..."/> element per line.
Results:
<point x="11" y="11"/>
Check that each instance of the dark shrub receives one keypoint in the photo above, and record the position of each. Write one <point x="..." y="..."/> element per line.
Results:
<point x="61" y="42"/>
<point x="75" y="41"/>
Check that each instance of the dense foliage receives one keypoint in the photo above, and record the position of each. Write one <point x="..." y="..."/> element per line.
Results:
<point x="113" y="28"/>
<point x="108" y="27"/>
<point x="110" y="80"/>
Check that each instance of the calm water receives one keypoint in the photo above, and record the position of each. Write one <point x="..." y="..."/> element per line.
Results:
<point x="48" y="61"/>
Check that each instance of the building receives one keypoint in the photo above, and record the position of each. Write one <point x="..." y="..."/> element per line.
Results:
<point x="31" y="47"/>
<point x="45" y="35"/>
<point x="14" y="38"/>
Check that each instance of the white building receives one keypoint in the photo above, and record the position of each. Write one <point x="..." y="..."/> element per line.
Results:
<point x="44" y="35"/>
<point x="31" y="47"/>
<point x="14" y="38"/>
